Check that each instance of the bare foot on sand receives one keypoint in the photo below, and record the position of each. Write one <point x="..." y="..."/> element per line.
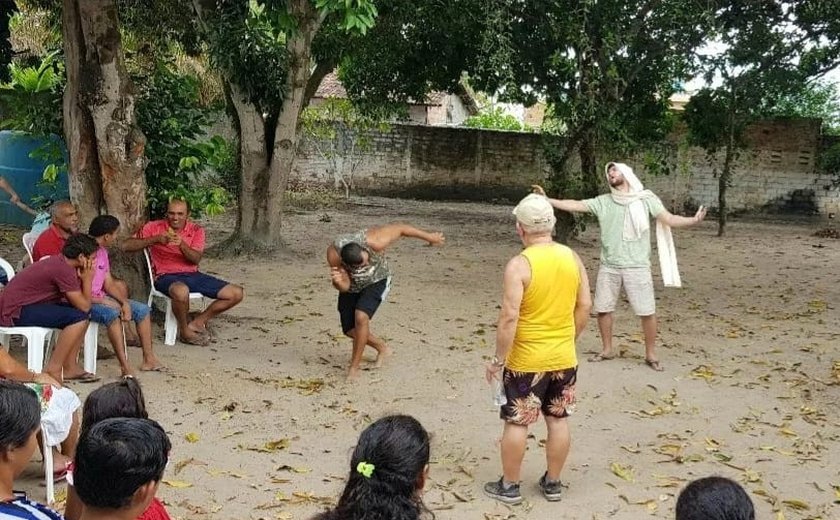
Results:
<point x="382" y="356"/>
<point x="152" y="365"/>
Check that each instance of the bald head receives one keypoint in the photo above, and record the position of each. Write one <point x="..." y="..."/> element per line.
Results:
<point x="177" y="213"/>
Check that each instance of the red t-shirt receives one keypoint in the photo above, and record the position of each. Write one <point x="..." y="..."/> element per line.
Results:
<point x="168" y="258"/>
<point x="46" y="281"/>
<point x="49" y="243"/>
<point x="155" y="511"/>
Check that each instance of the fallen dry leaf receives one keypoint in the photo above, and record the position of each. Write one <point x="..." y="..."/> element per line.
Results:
<point x="191" y="437"/>
<point x="624" y="472"/>
<point x="178" y="484"/>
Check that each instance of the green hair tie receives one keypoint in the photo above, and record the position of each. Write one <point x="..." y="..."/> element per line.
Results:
<point x="365" y="469"/>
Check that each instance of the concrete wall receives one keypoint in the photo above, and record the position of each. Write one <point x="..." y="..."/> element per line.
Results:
<point x="777" y="173"/>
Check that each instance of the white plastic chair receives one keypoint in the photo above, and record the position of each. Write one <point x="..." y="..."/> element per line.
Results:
<point x="29" y="239"/>
<point x="36" y="337"/>
<point x="170" y="324"/>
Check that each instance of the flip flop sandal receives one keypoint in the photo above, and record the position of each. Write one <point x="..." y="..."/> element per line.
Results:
<point x="201" y="341"/>
<point x="84" y="377"/>
<point x="597" y="358"/>
<point x="654" y="364"/>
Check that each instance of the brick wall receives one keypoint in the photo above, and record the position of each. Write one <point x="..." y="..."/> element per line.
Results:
<point x="776" y="173"/>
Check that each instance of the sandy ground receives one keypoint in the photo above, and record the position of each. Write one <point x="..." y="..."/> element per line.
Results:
<point x="748" y="392"/>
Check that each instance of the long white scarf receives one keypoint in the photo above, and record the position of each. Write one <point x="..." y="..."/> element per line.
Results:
<point x="636" y="222"/>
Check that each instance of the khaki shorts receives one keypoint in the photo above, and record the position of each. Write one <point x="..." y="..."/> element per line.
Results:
<point x="637" y="282"/>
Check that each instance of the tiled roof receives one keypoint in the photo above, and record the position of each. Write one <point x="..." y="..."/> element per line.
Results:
<point x="331" y="87"/>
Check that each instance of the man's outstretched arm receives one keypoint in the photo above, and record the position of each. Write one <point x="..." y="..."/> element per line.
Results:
<point x="567" y="205"/>
<point x="676" y="221"/>
<point x="380" y="238"/>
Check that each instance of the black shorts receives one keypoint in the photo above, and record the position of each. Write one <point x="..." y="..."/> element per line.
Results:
<point x="367" y="300"/>
<point x="529" y="393"/>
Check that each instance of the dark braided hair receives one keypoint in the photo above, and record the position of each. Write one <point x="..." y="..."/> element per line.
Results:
<point x="397" y="446"/>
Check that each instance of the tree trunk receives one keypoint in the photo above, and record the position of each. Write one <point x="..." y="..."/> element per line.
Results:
<point x="723" y="184"/>
<point x="266" y="166"/>
<point x="106" y="146"/>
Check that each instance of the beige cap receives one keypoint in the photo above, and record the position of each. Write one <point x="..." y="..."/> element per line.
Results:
<point x="534" y="210"/>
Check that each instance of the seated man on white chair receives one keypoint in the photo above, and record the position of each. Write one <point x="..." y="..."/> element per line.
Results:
<point x="38" y="296"/>
<point x="176" y="246"/>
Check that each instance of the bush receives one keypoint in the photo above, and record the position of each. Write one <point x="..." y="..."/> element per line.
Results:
<point x="182" y="164"/>
<point x="494" y="118"/>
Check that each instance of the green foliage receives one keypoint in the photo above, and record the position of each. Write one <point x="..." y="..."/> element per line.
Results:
<point x="169" y="113"/>
<point x="341" y="134"/>
<point x="494" y="118"/>
<point x="818" y="100"/>
<point x="31" y="102"/>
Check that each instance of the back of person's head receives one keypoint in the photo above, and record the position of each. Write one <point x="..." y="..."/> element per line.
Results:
<point x="387" y="471"/>
<point x="20" y="415"/>
<point x="119" y="463"/>
<point x="79" y="244"/>
<point x="714" y="498"/>
<point x="123" y="398"/>
<point x="351" y="254"/>
<point x="102" y="225"/>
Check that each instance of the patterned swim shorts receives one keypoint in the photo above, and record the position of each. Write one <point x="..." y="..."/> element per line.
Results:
<point x="529" y="393"/>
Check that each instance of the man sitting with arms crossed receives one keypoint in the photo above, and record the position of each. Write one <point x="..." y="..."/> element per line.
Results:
<point x="176" y="246"/>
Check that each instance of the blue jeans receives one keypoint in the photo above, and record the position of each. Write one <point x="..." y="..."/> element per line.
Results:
<point x="105" y="314"/>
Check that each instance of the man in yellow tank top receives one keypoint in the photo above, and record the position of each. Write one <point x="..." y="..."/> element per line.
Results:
<point x="545" y="307"/>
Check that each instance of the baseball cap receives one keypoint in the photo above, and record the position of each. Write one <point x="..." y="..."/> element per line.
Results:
<point x="534" y="210"/>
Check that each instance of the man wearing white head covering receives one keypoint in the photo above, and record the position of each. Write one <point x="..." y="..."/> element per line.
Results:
<point x="624" y="217"/>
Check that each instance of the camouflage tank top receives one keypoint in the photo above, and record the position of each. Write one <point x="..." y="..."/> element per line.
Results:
<point x="377" y="268"/>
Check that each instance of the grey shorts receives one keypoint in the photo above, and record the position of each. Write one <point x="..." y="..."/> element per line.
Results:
<point x="638" y="285"/>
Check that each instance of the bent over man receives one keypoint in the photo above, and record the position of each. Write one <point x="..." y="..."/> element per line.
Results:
<point x="360" y="273"/>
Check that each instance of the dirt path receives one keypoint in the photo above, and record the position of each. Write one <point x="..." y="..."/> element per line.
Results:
<point x="748" y="392"/>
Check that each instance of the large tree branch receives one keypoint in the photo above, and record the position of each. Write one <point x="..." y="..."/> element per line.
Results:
<point x="321" y="70"/>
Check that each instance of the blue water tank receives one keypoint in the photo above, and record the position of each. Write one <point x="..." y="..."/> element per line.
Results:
<point x="24" y="173"/>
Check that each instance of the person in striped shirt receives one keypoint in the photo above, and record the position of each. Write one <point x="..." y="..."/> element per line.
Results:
<point x="20" y="415"/>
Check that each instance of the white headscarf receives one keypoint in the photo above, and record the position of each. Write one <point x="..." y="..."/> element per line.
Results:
<point x="637" y="221"/>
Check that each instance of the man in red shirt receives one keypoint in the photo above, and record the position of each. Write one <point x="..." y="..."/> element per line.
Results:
<point x="65" y="222"/>
<point x="55" y="293"/>
<point x="176" y="246"/>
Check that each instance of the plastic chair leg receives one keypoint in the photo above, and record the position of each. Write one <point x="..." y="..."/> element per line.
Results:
<point x="35" y="346"/>
<point x="170" y="326"/>
<point x="48" y="473"/>
<point x="91" y="346"/>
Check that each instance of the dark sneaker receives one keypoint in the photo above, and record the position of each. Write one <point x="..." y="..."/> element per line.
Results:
<point x="508" y="495"/>
<point x="550" y="490"/>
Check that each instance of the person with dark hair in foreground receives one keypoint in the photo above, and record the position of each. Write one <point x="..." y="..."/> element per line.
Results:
<point x="123" y="398"/>
<point x="38" y="296"/>
<point x="360" y="273"/>
<point x="176" y="246"/>
<point x="20" y="416"/>
<point x="714" y="498"/>
<point x="118" y="467"/>
<point x="58" y="405"/>
<point x="111" y="307"/>
<point x="388" y="471"/>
